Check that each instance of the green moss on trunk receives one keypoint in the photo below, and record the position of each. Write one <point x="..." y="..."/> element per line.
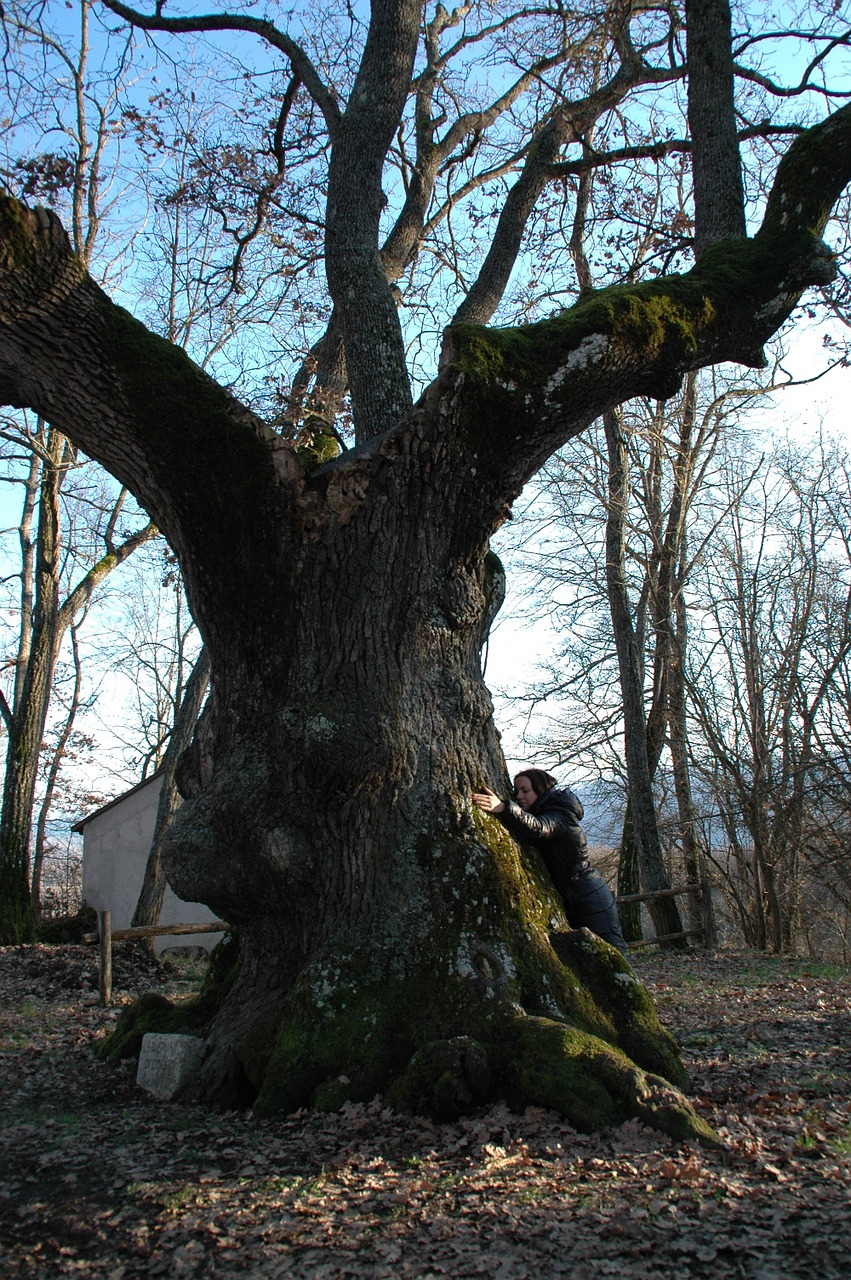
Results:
<point x="152" y="1012"/>
<point x="626" y="340"/>
<point x="593" y="1085"/>
<point x="443" y="1042"/>
<point x="483" y="995"/>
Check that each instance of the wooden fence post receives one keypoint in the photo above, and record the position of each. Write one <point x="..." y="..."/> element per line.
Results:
<point x="106" y="937"/>
<point x="105" y="982"/>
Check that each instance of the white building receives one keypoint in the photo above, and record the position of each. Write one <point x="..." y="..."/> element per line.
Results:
<point x="116" y="841"/>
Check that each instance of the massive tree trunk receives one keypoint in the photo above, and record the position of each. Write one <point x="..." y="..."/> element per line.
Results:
<point x="391" y="938"/>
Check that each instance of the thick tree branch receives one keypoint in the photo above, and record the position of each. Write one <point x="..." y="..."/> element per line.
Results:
<point x="518" y="394"/>
<point x="810" y="178"/>
<point x="135" y="402"/>
<point x="719" y="200"/>
<point x="357" y="280"/>
<point x="143" y="409"/>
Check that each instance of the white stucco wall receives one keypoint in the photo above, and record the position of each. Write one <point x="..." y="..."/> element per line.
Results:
<point x="116" y="841"/>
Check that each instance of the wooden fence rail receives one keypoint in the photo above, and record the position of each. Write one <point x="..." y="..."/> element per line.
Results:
<point x="706" y="933"/>
<point x="106" y="936"/>
<point x="661" y="893"/>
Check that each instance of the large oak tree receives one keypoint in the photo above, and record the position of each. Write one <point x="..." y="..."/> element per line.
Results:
<point x="391" y="939"/>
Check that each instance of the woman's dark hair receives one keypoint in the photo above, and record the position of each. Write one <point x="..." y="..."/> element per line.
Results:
<point x="541" y="781"/>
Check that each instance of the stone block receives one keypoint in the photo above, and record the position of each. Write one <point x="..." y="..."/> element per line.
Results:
<point x="168" y="1062"/>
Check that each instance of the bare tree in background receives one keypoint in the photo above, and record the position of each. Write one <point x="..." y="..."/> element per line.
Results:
<point x="776" y="640"/>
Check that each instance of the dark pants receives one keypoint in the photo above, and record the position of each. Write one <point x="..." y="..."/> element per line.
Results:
<point x="589" y="904"/>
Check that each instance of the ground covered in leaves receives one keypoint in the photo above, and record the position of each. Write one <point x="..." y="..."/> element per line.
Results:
<point x="98" y="1180"/>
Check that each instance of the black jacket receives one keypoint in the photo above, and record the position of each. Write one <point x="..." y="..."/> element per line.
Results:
<point x="552" y="826"/>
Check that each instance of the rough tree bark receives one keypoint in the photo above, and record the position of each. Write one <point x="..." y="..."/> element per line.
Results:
<point x="391" y="939"/>
<point x="716" y="169"/>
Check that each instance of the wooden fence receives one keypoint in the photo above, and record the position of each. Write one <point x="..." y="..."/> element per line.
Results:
<point x="707" y="930"/>
<point x="106" y="936"/>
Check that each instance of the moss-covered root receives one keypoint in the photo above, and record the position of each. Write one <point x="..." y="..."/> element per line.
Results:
<point x="617" y="989"/>
<point x="445" y="1079"/>
<point x="153" y="1012"/>
<point x="591" y="1083"/>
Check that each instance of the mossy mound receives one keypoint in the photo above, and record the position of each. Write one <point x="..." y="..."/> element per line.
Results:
<point x="592" y="1084"/>
<point x="153" y="1012"/>
<point x="57" y="930"/>
<point x="316" y="444"/>
<point x="347" y="1043"/>
<point x="639" y="1032"/>
<point x="444" y="1079"/>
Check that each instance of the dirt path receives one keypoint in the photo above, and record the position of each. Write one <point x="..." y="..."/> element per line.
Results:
<point x="98" y="1181"/>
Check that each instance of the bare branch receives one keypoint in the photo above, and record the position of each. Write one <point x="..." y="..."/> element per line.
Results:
<point x="262" y="27"/>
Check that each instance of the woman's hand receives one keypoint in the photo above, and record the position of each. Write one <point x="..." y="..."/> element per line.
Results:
<point x="488" y="801"/>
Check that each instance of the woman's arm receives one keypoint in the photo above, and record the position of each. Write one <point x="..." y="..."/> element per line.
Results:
<point x="557" y="820"/>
